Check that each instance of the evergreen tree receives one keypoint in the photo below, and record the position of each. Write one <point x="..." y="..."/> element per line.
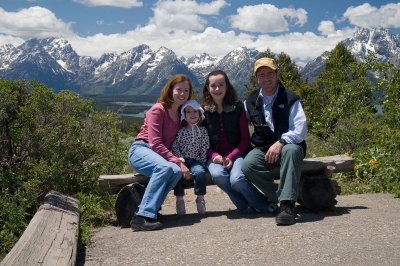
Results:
<point x="342" y="90"/>
<point x="288" y="73"/>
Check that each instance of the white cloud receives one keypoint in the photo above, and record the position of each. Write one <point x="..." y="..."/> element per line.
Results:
<point x="115" y="3"/>
<point x="266" y="18"/>
<point x="7" y="39"/>
<point x="186" y="35"/>
<point x="191" y="6"/>
<point x="211" y="40"/>
<point x="301" y="47"/>
<point x="183" y="43"/>
<point x="326" y="27"/>
<point x="182" y="27"/>
<point x="33" y="22"/>
<point x="366" y="15"/>
<point x="184" y="14"/>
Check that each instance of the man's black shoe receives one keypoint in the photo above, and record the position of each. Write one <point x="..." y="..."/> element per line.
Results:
<point x="144" y="223"/>
<point x="286" y="213"/>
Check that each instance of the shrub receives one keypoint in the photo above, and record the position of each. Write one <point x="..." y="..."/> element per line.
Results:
<point x="49" y="142"/>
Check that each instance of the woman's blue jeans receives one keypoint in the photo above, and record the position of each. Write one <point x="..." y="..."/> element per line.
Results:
<point x="199" y="173"/>
<point x="239" y="189"/>
<point x="163" y="177"/>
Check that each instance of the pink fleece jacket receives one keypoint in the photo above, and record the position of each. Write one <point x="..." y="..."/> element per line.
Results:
<point x="159" y="130"/>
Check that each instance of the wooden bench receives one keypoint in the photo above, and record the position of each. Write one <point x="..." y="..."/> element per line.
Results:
<point x="51" y="237"/>
<point x="317" y="189"/>
<point x="330" y="164"/>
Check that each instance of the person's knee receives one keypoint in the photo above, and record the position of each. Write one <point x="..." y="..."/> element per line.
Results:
<point x="198" y="172"/>
<point x="217" y="172"/>
<point x="238" y="181"/>
<point x="168" y="171"/>
<point x="292" y="151"/>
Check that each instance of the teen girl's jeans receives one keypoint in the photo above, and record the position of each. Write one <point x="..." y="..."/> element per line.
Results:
<point x="239" y="189"/>
<point x="163" y="177"/>
<point x="199" y="173"/>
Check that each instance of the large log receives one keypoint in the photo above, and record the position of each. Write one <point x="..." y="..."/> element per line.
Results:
<point x="337" y="163"/>
<point x="51" y="237"/>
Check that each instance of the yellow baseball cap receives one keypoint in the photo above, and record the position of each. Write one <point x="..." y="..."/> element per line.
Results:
<point x="264" y="62"/>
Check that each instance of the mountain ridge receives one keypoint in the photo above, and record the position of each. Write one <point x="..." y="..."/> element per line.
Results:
<point x="143" y="71"/>
<point x="380" y="41"/>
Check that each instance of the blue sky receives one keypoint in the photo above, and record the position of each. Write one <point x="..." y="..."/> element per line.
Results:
<point x="303" y="29"/>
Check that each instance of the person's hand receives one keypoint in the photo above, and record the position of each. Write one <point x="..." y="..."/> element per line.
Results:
<point x="185" y="171"/>
<point x="227" y="163"/>
<point x="187" y="175"/>
<point x="273" y="153"/>
<point x="218" y="159"/>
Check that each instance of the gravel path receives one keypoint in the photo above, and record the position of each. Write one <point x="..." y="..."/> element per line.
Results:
<point x="360" y="230"/>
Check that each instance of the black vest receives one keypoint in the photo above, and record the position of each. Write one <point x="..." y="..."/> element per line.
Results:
<point x="263" y="135"/>
<point x="231" y="123"/>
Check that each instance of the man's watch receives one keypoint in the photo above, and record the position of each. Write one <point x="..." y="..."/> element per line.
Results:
<point x="282" y="141"/>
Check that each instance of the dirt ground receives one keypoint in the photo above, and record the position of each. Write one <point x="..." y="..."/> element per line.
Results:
<point x="360" y="230"/>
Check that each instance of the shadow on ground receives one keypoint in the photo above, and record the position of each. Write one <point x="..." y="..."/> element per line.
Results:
<point x="306" y="216"/>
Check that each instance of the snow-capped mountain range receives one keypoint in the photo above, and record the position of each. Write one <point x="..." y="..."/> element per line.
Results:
<point x="385" y="45"/>
<point x="142" y="71"/>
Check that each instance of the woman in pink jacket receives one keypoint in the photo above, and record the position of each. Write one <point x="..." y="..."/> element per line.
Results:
<point x="150" y="153"/>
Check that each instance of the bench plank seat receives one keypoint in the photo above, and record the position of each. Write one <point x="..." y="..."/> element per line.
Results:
<point x="335" y="164"/>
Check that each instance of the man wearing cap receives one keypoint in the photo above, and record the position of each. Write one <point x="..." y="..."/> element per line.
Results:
<point x="280" y="130"/>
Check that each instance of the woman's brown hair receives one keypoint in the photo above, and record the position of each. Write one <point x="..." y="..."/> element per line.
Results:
<point x="166" y="94"/>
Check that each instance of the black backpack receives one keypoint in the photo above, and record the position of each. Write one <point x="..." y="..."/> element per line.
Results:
<point x="318" y="192"/>
<point x="128" y="200"/>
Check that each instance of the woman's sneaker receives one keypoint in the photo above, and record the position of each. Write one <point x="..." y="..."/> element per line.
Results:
<point x="180" y="207"/>
<point x="201" y="206"/>
<point x="141" y="223"/>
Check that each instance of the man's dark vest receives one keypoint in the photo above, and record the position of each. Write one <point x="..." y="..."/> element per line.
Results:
<point x="263" y="135"/>
<point x="231" y="122"/>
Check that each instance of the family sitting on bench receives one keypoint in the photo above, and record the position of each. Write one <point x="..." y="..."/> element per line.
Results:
<point x="216" y="136"/>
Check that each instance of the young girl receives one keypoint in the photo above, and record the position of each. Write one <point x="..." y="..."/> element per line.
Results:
<point x="226" y="124"/>
<point x="191" y="145"/>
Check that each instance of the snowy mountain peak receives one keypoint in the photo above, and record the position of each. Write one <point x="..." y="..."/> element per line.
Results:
<point x="141" y="70"/>
<point x="378" y="41"/>
<point x="164" y="50"/>
<point x="201" y="64"/>
<point x="6" y="48"/>
<point x="7" y="52"/>
<point x="201" y="60"/>
<point x="238" y="53"/>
